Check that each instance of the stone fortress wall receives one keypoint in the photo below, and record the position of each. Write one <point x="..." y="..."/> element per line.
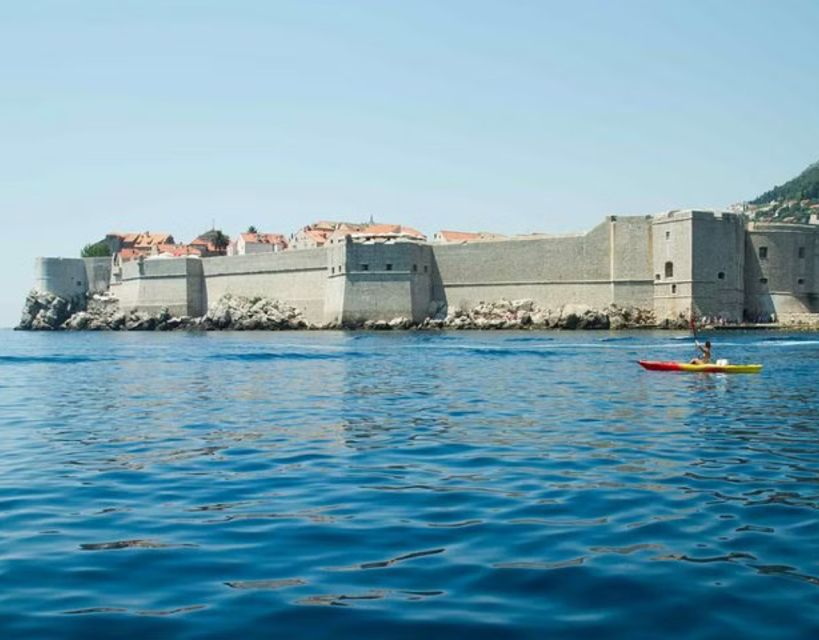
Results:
<point x="709" y="263"/>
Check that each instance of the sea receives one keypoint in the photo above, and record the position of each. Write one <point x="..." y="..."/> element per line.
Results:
<point x="407" y="485"/>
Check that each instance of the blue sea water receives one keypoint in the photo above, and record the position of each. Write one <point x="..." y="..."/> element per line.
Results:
<point x="406" y="485"/>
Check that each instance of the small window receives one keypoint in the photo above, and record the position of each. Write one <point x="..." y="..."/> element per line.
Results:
<point x="667" y="235"/>
<point x="669" y="269"/>
<point x="365" y="267"/>
<point x="415" y="267"/>
<point x="763" y="253"/>
<point x="389" y="267"/>
<point x="657" y="276"/>
<point x="721" y="275"/>
<point x="802" y="252"/>
<point x="673" y="288"/>
<point x="426" y="268"/>
<point x="800" y="281"/>
<point x="332" y="269"/>
<point x="764" y="280"/>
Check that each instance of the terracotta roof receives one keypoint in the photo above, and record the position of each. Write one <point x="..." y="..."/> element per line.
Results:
<point x="145" y="239"/>
<point x="179" y="250"/>
<point x="467" y="236"/>
<point x="316" y="234"/>
<point x="130" y="254"/>
<point x="458" y="236"/>
<point x="390" y="230"/>
<point x="264" y="238"/>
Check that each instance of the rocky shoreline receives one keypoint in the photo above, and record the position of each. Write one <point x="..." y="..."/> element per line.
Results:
<point x="47" y="312"/>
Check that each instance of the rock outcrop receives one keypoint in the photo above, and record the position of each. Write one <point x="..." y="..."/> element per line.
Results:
<point x="47" y="312"/>
<point x="237" y="313"/>
<point x="252" y="314"/>
<point x="43" y="311"/>
<point x="525" y="314"/>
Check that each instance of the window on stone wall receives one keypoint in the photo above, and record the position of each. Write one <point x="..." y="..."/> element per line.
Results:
<point x="365" y="267"/>
<point x="656" y="276"/>
<point x="673" y="288"/>
<point x="801" y="252"/>
<point x="389" y="267"/>
<point x="800" y="281"/>
<point x="764" y="280"/>
<point x="721" y="275"/>
<point x="415" y="267"/>
<point x="669" y="269"/>
<point x="426" y="268"/>
<point x="332" y="270"/>
<point x="667" y="235"/>
<point x="763" y="253"/>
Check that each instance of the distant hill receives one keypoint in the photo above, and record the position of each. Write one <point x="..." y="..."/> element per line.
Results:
<point x="793" y="201"/>
<point x="805" y="185"/>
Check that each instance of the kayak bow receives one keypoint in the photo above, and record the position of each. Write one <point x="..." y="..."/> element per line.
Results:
<point x="700" y="368"/>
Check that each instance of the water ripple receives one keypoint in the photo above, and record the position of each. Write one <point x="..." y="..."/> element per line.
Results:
<point x="406" y="485"/>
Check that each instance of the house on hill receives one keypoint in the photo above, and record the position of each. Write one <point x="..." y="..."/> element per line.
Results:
<point x="211" y="243"/>
<point x="129" y="246"/>
<point x="318" y="234"/>
<point x="378" y="233"/>
<point x="253" y="242"/>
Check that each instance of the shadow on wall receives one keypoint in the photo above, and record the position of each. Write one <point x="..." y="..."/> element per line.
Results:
<point x="439" y="305"/>
<point x="759" y="305"/>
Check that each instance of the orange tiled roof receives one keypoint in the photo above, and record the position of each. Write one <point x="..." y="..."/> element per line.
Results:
<point x="179" y="250"/>
<point x="264" y="238"/>
<point x="130" y="254"/>
<point x="457" y="236"/>
<point x="391" y="229"/>
<point x="145" y="239"/>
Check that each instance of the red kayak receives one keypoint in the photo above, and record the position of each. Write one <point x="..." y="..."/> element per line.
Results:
<point x="700" y="368"/>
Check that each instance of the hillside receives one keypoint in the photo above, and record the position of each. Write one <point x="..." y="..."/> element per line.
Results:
<point x="805" y="185"/>
<point x="793" y="201"/>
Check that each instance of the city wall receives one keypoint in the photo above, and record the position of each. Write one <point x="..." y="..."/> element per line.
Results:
<point x="677" y="263"/>
<point x="782" y="264"/>
<point x="609" y="264"/>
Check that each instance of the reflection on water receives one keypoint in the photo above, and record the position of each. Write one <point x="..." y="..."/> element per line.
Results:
<point x="407" y="484"/>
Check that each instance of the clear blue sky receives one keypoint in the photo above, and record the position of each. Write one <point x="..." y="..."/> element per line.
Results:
<point x="510" y="116"/>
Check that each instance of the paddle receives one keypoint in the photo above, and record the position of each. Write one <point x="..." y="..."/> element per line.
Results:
<point x="694" y="331"/>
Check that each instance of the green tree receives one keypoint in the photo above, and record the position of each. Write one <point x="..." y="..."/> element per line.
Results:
<point x="220" y="241"/>
<point x="96" y="250"/>
<point x="252" y="229"/>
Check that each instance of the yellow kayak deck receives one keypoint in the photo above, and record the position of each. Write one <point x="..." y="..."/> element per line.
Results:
<point x="700" y="368"/>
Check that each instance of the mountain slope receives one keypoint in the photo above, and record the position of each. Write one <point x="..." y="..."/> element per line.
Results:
<point x="805" y="185"/>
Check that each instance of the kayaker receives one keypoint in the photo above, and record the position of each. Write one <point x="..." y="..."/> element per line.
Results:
<point x="705" y="350"/>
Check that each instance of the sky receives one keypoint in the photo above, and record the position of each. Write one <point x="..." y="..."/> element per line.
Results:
<point x="511" y="116"/>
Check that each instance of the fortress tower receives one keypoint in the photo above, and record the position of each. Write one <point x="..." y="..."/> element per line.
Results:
<point x="699" y="264"/>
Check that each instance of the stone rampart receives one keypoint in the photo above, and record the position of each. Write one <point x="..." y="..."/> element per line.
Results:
<point x="151" y="285"/>
<point x="63" y="277"/>
<point x="298" y="278"/>
<point x="609" y="264"/>
<point x="675" y="264"/>
<point x="379" y="281"/>
<point x="782" y="267"/>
